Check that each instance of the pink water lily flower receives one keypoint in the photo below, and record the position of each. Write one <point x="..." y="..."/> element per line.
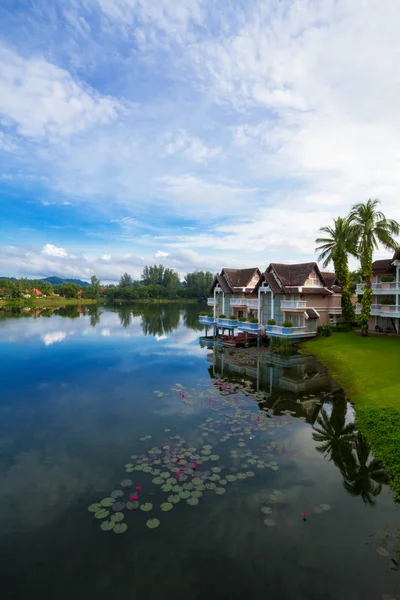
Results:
<point x="138" y="488"/>
<point x="177" y="475"/>
<point x="133" y="497"/>
<point x="194" y="465"/>
<point x="304" y="515"/>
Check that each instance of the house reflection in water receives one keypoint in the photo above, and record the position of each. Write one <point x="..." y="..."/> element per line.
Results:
<point x="297" y="383"/>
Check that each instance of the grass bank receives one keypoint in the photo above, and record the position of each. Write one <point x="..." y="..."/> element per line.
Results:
<point x="40" y="302"/>
<point x="368" y="370"/>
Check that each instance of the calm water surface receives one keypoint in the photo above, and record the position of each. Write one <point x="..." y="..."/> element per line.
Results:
<point x="97" y="402"/>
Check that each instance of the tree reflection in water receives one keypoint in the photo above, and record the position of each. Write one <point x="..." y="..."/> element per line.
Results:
<point x="362" y="474"/>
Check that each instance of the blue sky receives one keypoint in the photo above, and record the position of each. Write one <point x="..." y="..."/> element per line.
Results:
<point x="197" y="133"/>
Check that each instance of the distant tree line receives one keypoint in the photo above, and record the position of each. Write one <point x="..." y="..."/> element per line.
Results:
<point x="157" y="282"/>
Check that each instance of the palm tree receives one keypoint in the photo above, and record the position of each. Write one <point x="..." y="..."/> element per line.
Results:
<point x="371" y="228"/>
<point x="339" y="241"/>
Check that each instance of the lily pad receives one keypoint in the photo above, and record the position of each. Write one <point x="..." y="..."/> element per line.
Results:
<point x="107" y="502"/>
<point x="107" y="525"/>
<point x="267" y="510"/>
<point x="165" y="475"/>
<point x="269" y="522"/>
<point x="197" y="481"/>
<point x="166" y="506"/>
<point x="117" y="494"/>
<point x="126" y="483"/>
<point x="216" y="470"/>
<point x="152" y="523"/>
<point x="174" y="499"/>
<point x="118" y="517"/>
<point x="220" y="491"/>
<point x="214" y="477"/>
<point x="192" y="501"/>
<point x="157" y="481"/>
<point x="132" y="505"/>
<point x="210" y="486"/>
<point x="231" y="478"/>
<point x="101" y="514"/>
<point x="94" y="507"/>
<point x="120" y="528"/>
<point x="325" y="506"/>
<point x="184" y="494"/>
<point x="166" y="487"/>
<point x="146" y="506"/>
<point x="118" y="506"/>
<point x="196" y="494"/>
<point x="382" y="552"/>
<point x="214" y="457"/>
<point x="146" y="469"/>
<point x="250" y="473"/>
<point x="223" y="481"/>
<point x="275" y="468"/>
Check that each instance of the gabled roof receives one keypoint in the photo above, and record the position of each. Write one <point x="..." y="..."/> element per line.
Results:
<point x="286" y="279"/>
<point x="385" y="266"/>
<point x="234" y="280"/>
<point x="295" y="274"/>
<point x="312" y="313"/>
<point x="332" y="282"/>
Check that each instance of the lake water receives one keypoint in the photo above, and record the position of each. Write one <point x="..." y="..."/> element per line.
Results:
<point x="96" y="402"/>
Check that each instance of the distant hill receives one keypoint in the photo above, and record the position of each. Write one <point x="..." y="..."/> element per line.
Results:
<point x="54" y="280"/>
<point x="58" y="280"/>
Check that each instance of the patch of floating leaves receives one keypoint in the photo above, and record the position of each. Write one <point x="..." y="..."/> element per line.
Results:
<point x="185" y="472"/>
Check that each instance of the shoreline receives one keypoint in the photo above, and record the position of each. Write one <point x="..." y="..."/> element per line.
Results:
<point x="366" y="369"/>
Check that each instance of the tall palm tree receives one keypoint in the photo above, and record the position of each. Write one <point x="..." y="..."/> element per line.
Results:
<point x="371" y="228"/>
<point x="339" y="241"/>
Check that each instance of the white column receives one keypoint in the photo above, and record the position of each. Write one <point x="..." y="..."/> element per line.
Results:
<point x="215" y="302"/>
<point x="272" y="304"/>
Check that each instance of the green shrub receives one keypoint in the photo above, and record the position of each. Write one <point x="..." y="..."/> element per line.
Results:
<point x="271" y="322"/>
<point x="287" y="324"/>
<point x="342" y="327"/>
<point x="253" y="320"/>
<point x="222" y="316"/>
<point x="324" y="330"/>
<point x="233" y="318"/>
<point x="203" y="314"/>
<point x="210" y="314"/>
<point x="243" y="319"/>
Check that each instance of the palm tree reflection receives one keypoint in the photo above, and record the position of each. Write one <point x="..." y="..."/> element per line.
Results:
<point x="343" y="443"/>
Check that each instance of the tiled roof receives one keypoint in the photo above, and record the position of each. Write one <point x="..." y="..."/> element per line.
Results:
<point x="294" y="274"/>
<point x="240" y="277"/>
<point x="226" y="288"/>
<point x="312" y="313"/>
<point x="380" y="267"/>
<point x="317" y="291"/>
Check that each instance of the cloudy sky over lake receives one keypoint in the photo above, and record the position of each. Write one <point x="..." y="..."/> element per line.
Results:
<point x="196" y="133"/>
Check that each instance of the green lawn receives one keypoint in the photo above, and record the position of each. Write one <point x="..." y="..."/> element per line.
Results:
<point x="369" y="371"/>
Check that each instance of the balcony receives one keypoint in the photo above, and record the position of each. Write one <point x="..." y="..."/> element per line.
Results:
<point x="238" y="302"/>
<point x="289" y="332"/>
<point x="385" y="287"/>
<point x="293" y="304"/>
<point x="381" y="310"/>
<point x="335" y="311"/>
<point x="206" y="320"/>
<point x="252" y="304"/>
<point x="211" y="301"/>
<point x="248" y="327"/>
<point x="228" y="323"/>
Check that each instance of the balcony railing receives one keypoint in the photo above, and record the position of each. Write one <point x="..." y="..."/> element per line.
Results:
<point x="384" y="287"/>
<point x="206" y="320"/>
<point x="210" y="301"/>
<point x="252" y="303"/>
<point x="248" y="327"/>
<point x="228" y="323"/>
<point x="381" y="310"/>
<point x="290" y="332"/>
<point x="335" y="311"/>
<point x="238" y="302"/>
<point x="293" y="304"/>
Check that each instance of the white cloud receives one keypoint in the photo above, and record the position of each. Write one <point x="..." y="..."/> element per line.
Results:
<point x="50" y="250"/>
<point x="160" y="254"/>
<point x="191" y="147"/>
<point x="53" y="337"/>
<point x="43" y="100"/>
